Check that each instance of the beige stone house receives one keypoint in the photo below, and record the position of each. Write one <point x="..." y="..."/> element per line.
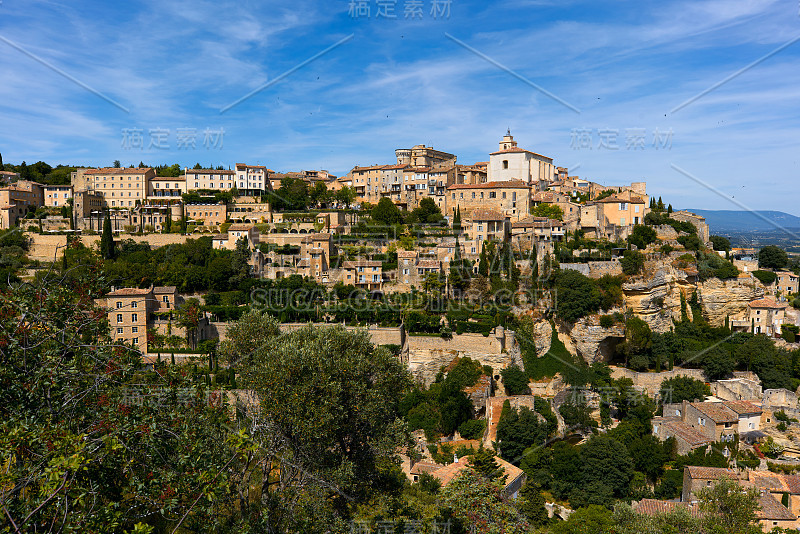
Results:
<point x="130" y="312"/>
<point x="119" y="187"/>
<point x="56" y="196"/>
<point x="209" y="179"/>
<point x="511" y="198"/>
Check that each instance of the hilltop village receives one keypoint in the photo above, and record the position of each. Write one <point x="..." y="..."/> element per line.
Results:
<point x="416" y="334"/>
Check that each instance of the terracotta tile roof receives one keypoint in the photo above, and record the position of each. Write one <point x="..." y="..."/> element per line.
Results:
<point x="361" y="263"/>
<point x="449" y="472"/>
<point x="517" y="150"/>
<point x="743" y="407"/>
<point x="686" y="433"/>
<point x="655" y="507"/>
<point x="321" y="237"/>
<point x="220" y="237"/>
<point x="634" y="199"/>
<point x="775" y="481"/>
<point x="767" y="303"/>
<point x="711" y="473"/>
<point x="773" y="510"/>
<point x="429" y="264"/>
<point x="164" y="289"/>
<point x="716" y="411"/>
<point x="114" y="170"/>
<point x="406" y="254"/>
<point x="208" y="171"/>
<point x="240" y="227"/>
<point x="425" y="467"/>
<point x="511" y="184"/>
<point x="129" y="292"/>
<point x="238" y="165"/>
<point x="482" y="214"/>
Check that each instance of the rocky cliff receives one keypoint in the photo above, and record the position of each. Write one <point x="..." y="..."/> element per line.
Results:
<point x="425" y="364"/>
<point x="727" y="298"/>
<point x="656" y="297"/>
<point x="594" y="343"/>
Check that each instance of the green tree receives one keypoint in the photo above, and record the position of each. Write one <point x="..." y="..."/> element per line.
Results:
<point x="346" y="195"/>
<point x="485" y="464"/>
<point x="517" y="430"/>
<point x="729" y="508"/>
<point x="681" y="388"/>
<point x="551" y="211"/>
<point x="386" y="212"/>
<point x="632" y="262"/>
<point x="717" y="363"/>
<point x="427" y="212"/>
<point x="478" y="504"/>
<point x="117" y="164"/>
<point x="189" y="315"/>
<point x="515" y="380"/>
<point x="531" y="504"/>
<point x="327" y="411"/>
<point x="641" y="236"/>
<point x="576" y="296"/>
<point x="593" y="519"/>
<point x="637" y="344"/>
<point x="107" y="248"/>
<point x="772" y="257"/>
<point x="719" y="242"/>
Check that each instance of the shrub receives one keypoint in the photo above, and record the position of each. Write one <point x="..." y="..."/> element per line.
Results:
<point x="606" y="321"/>
<point x="782" y="426"/>
<point x="765" y="277"/>
<point x="632" y="262"/>
<point x="472" y="429"/>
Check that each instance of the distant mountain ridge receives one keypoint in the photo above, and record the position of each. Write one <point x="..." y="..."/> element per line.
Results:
<point x="747" y="221"/>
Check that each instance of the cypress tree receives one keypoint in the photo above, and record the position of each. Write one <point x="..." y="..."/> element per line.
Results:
<point x="669" y="209"/>
<point x="107" y="240"/>
<point x="1" y="163"/>
<point x="173" y="359"/>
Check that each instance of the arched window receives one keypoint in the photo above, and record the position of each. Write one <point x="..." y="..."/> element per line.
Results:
<point x="505" y="163"/>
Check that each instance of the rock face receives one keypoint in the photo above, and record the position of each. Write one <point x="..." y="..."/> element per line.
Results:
<point x="727" y="298"/>
<point x="425" y="364"/>
<point x="543" y="336"/>
<point x="593" y="342"/>
<point x="657" y="299"/>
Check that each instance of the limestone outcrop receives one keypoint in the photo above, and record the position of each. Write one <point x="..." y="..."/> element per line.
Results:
<point x="656" y="299"/>
<point x="425" y="364"/>
<point x="727" y="298"/>
<point x="593" y="342"/>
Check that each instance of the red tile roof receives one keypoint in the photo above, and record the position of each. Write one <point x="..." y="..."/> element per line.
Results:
<point x="655" y="507"/>
<point x="482" y="214"/>
<point x="711" y="473"/>
<point x="208" y="171"/>
<point x="517" y="150"/>
<point x="716" y="411"/>
<point x="743" y="407"/>
<point x="114" y="170"/>
<point x="129" y="292"/>
<point x="771" y="509"/>
<point x="767" y="303"/>
<point x="510" y="184"/>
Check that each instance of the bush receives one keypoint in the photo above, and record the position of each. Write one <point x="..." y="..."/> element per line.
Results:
<point x="515" y="380"/>
<point x="690" y="242"/>
<point x="765" y="277"/>
<point x="632" y="262"/>
<point x="472" y="429"/>
<point x="782" y="426"/>
<point x="606" y="321"/>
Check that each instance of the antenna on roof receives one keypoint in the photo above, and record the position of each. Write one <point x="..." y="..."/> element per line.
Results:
<point x="508" y="132"/>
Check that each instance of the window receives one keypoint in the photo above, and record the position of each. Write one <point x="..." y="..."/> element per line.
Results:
<point x="136" y="341"/>
<point x="119" y="330"/>
<point x="135" y="317"/>
<point x="623" y="206"/>
<point x="505" y="163"/>
<point x="119" y="305"/>
<point x="134" y="304"/>
<point x="701" y="421"/>
<point x="119" y="317"/>
<point x="165" y="298"/>
<point x="504" y="195"/>
<point x="135" y="329"/>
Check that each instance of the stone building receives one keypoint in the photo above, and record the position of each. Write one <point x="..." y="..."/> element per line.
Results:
<point x="56" y="196"/>
<point x="209" y="179"/>
<point x="511" y="163"/>
<point x="119" y="188"/>
<point x="130" y="312"/>
<point x="17" y="199"/>
<point x="511" y="198"/>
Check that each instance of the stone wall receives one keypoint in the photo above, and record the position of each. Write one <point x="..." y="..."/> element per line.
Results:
<point x="378" y="335"/>
<point x="650" y="383"/>
<point x="46" y="248"/>
<point x="50" y="247"/>
<point x="460" y="342"/>
<point x="425" y="364"/>
<point x="595" y="269"/>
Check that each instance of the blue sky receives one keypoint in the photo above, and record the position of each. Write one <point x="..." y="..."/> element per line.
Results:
<point x="624" y="65"/>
